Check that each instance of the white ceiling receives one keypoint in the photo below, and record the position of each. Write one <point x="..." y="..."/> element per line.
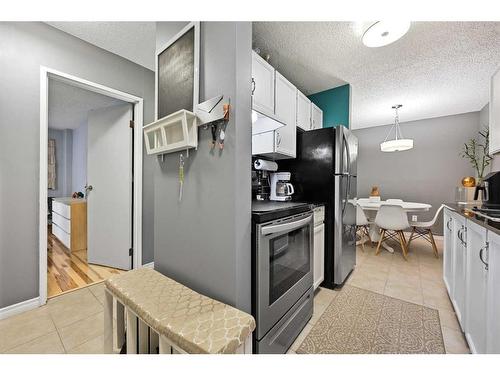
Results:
<point x="436" y="69"/>
<point x="69" y="105"/>
<point x="135" y="41"/>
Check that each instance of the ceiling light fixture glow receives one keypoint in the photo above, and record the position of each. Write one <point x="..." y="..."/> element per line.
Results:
<point x="382" y="33"/>
<point x="399" y="143"/>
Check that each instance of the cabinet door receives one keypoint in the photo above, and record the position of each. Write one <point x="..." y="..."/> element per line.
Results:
<point x="286" y="104"/>
<point x="303" y="112"/>
<point x="476" y="292"/>
<point x="262" y="85"/>
<point x="448" y="250"/>
<point x="459" y="267"/>
<point x="493" y="259"/>
<point x="319" y="255"/>
<point x="316" y="116"/>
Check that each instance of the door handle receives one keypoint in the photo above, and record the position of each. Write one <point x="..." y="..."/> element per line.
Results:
<point x="486" y="247"/>
<point x="253" y="85"/>
<point x="448" y="224"/>
<point x="271" y="229"/>
<point x="278" y="138"/>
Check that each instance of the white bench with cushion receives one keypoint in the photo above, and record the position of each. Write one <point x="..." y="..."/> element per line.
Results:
<point x="160" y="312"/>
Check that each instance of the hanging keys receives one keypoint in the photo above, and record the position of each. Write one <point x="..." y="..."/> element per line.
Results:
<point x="214" y="135"/>
<point x="181" y="175"/>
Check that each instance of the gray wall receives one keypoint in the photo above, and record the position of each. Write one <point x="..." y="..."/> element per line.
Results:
<point x="429" y="172"/>
<point x="79" y="166"/>
<point x="64" y="154"/>
<point x="24" y="47"/>
<point x="205" y="240"/>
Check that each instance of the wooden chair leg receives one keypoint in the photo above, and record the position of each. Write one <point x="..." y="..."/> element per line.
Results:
<point x="382" y="235"/>
<point x="411" y="237"/>
<point x="434" y="247"/>
<point x="402" y="241"/>
<point x="367" y="233"/>
<point x="362" y="242"/>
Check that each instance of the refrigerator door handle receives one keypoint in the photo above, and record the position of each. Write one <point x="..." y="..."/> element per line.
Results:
<point x="348" y="153"/>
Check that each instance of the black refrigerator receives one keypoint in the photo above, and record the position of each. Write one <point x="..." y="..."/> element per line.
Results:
<point x="324" y="171"/>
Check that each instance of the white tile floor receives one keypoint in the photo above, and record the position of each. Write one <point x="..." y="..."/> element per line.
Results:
<point x="73" y="323"/>
<point x="418" y="280"/>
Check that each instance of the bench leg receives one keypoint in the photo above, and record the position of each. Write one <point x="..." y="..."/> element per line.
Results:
<point x="165" y="347"/>
<point x="154" y="342"/>
<point x="120" y="326"/>
<point x="108" y="322"/>
<point x="246" y="347"/>
<point x="131" y="332"/>
<point x="143" y="337"/>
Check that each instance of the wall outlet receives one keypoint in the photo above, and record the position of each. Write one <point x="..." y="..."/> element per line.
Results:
<point x="413" y="217"/>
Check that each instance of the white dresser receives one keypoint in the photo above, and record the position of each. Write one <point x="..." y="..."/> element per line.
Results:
<point x="69" y="222"/>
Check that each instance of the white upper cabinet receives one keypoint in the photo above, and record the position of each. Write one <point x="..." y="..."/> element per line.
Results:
<point x="477" y="285"/>
<point x="263" y="76"/>
<point x="494" y="115"/>
<point x="316" y="117"/>
<point x="286" y="109"/>
<point x="303" y="111"/>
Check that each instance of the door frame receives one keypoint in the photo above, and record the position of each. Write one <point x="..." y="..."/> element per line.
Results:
<point x="138" y="103"/>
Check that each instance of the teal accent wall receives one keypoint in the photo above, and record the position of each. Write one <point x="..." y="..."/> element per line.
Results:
<point x="335" y="105"/>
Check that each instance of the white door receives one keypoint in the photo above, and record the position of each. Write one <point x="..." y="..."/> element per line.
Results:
<point x="459" y="267"/>
<point x="477" y="278"/>
<point x="493" y="339"/>
<point x="262" y="85"/>
<point x="448" y="251"/>
<point x="286" y="104"/>
<point x="316" y="117"/>
<point x="109" y="172"/>
<point x="303" y="111"/>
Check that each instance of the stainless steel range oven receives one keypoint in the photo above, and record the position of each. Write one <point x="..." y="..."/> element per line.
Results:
<point x="283" y="280"/>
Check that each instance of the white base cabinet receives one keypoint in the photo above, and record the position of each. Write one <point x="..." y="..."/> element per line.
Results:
<point x="319" y="255"/>
<point x="477" y="284"/>
<point x="471" y="272"/>
<point x="493" y="296"/>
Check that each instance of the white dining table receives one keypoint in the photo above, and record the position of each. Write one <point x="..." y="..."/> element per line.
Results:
<point x="371" y="208"/>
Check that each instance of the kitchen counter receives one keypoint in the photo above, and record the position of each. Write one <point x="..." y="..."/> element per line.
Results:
<point x="466" y="211"/>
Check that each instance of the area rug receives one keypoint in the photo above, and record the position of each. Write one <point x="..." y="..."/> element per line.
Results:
<point x="362" y="322"/>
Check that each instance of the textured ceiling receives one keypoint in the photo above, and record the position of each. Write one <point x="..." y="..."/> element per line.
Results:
<point x="436" y="69"/>
<point x="69" y="105"/>
<point x="134" y="41"/>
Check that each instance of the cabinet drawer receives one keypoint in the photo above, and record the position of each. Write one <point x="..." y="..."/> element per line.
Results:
<point x="62" y="209"/>
<point x="64" y="237"/>
<point x="61" y="222"/>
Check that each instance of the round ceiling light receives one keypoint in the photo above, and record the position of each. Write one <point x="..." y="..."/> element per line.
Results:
<point x="382" y="33"/>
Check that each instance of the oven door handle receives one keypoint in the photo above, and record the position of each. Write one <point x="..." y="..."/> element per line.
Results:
<point x="288" y="227"/>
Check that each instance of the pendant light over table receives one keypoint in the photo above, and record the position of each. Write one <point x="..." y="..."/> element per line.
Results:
<point x="398" y="143"/>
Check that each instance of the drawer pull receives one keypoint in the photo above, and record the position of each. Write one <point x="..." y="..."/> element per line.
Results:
<point x="481" y="255"/>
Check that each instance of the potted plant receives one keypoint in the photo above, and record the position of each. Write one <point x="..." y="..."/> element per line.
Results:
<point x="476" y="151"/>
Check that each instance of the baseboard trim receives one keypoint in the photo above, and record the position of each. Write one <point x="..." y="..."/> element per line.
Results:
<point x="149" y="265"/>
<point x="19" y="308"/>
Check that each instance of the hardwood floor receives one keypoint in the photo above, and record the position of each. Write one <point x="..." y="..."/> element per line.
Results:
<point x="68" y="271"/>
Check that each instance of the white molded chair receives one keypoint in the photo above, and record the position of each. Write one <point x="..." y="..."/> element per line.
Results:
<point x="362" y="224"/>
<point x="392" y="220"/>
<point x="423" y="229"/>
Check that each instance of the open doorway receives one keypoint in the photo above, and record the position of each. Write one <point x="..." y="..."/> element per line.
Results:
<point x="89" y="204"/>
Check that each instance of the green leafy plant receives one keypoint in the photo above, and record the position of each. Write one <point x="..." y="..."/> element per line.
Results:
<point x="476" y="151"/>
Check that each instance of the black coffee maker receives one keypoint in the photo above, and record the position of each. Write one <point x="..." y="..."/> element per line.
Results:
<point x="490" y="190"/>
